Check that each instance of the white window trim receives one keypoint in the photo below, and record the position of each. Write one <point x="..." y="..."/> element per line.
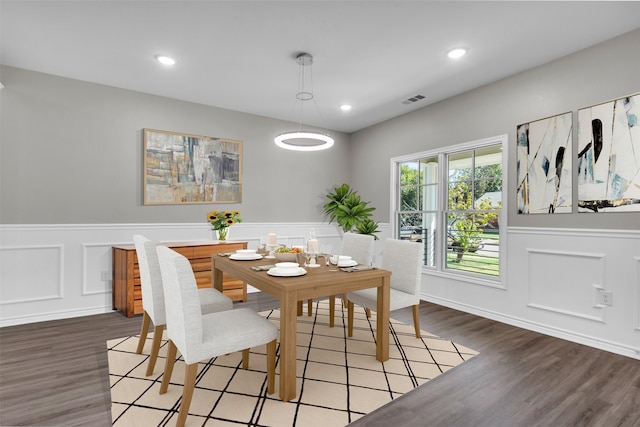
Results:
<point x="441" y="153"/>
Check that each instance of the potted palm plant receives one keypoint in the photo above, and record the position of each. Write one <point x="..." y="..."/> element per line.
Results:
<point x="349" y="211"/>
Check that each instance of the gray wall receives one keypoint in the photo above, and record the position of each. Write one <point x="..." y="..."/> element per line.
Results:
<point x="600" y="73"/>
<point x="71" y="153"/>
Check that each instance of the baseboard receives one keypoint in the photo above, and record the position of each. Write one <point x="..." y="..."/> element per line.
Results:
<point x="612" y="347"/>
<point x="57" y="315"/>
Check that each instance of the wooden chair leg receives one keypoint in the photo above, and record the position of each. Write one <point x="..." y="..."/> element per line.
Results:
<point x="332" y="310"/>
<point x="190" y="373"/>
<point x="299" y="308"/>
<point x="309" y="307"/>
<point x="416" y="319"/>
<point x="168" y="367"/>
<point x="271" y="367"/>
<point x="350" y="318"/>
<point x="155" y="348"/>
<point x="146" y="321"/>
<point x="366" y="310"/>
<point x="245" y="358"/>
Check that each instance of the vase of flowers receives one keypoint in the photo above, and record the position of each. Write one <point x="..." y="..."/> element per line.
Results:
<point x="221" y="221"/>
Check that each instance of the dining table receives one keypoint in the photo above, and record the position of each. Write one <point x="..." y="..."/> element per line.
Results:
<point x="322" y="281"/>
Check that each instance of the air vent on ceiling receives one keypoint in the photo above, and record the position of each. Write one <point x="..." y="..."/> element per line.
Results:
<point x="413" y="99"/>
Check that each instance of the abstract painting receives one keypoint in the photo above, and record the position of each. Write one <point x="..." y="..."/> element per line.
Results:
<point x="609" y="156"/>
<point x="544" y="165"/>
<point x="184" y="169"/>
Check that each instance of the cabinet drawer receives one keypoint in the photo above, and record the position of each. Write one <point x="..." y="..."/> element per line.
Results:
<point x="201" y="264"/>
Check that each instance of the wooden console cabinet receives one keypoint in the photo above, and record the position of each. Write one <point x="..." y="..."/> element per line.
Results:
<point x="127" y="294"/>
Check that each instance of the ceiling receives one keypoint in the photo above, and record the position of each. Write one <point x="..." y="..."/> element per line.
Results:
<point x="240" y="55"/>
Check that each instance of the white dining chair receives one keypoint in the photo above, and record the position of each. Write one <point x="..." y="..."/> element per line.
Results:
<point x="200" y="337"/>
<point x="360" y="248"/>
<point x="404" y="259"/>
<point x="153" y="301"/>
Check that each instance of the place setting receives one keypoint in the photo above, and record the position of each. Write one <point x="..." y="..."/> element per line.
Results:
<point x="245" y="255"/>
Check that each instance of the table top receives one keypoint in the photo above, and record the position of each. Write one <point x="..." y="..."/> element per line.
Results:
<point x="318" y="282"/>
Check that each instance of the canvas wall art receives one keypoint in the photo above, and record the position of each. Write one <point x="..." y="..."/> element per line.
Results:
<point x="182" y="169"/>
<point x="609" y="156"/>
<point x="544" y="165"/>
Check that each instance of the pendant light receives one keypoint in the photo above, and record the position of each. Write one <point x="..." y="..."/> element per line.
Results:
<point x="304" y="140"/>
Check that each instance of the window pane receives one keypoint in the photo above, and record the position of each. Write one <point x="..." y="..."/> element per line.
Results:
<point x="429" y="171"/>
<point x="421" y="228"/>
<point x="409" y="199"/>
<point x="470" y="247"/>
<point x="409" y="173"/>
<point x="428" y="198"/>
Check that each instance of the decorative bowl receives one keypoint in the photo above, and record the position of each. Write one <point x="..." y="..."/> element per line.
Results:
<point x="286" y="257"/>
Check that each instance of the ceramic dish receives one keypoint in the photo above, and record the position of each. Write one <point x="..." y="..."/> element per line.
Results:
<point x="343" y="258"/>
<point x="287" y="273"/>
<point x="243" y="257"/>
<point x="347" y="263"/>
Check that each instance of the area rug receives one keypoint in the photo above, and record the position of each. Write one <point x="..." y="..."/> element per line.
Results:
<point x="339" y="378"/>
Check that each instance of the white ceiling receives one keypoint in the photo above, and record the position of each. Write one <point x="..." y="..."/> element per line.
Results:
<point x="240" y="54"/>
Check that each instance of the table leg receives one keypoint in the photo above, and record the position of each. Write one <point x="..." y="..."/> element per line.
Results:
<point x="216" y="278"/>
<point x="382" y="321"/>
<point x="288" y="329"/>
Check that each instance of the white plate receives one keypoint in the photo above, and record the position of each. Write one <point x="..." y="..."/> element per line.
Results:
<point x="275" y="272"/>
<point x="334" y="259"/>
<point x="350" y="263"/>
<point x="243" y="257"/>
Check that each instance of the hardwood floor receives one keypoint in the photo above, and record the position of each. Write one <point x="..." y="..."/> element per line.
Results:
<point x="56" y="374"/>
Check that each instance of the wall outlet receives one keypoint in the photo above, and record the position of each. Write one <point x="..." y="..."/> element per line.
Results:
<point x="607" y="298"/>
<point x="604" y="297"/>
<point x="105" y="275"/>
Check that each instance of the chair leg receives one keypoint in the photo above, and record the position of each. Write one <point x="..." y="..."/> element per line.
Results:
<point x="271" y="367"/>
<point x="350" y="318"/>
<point x="168" y="367"/>
<point x="332" y="310"/>
<point x="146" y="321"/>
<point x="416" y="319"/>
<point x="309" y="307"/>
<point x="299" y="306"/>
<point x="245" y="358"/>
<point x="155" y="348"/>
<point x="190" y="373"/>
<point x="366" y="310"/>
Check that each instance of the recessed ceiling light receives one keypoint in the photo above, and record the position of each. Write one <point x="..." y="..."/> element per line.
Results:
<point x="345" y="107"/>
<point x="457" y="53"/>
<point x="165" y="60"/>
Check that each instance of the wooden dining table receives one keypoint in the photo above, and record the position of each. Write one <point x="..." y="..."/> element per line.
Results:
<point x="322" y="281"/>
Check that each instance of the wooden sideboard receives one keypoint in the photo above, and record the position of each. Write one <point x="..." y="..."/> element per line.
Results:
<point x="127" y="294"/>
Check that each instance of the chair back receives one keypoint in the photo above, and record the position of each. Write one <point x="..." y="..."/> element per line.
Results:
<point x="150" y="279"/>
<point x="358" y="246"/>
<point x="182" y="302"/>
<point x="404" y="259"/>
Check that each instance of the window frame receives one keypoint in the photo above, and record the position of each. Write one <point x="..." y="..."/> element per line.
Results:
<point x="441" y="154"/>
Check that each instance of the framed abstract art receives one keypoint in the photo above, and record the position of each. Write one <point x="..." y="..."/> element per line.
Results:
<point x="544" y="165"/>
<point x="187" y="169"/>
<point x="609" y="156"/>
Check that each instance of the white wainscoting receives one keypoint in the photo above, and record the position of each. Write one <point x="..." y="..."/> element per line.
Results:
<point x="50" y="272"/>
<point x="552" y="279"/>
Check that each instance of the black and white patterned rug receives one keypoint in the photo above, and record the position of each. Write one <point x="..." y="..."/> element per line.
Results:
<point x="339" y="378"/>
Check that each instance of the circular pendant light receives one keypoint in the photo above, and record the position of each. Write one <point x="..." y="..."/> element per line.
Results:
<point x="304" y="140"/>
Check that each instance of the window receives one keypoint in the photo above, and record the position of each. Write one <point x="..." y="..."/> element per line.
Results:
<point x="450" y="201"/>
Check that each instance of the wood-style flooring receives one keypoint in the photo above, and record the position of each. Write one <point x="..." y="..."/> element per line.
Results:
<point x="56" y="374"/>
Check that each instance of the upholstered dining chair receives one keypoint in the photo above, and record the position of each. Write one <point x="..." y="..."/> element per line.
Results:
<point x="360" y="248"/>
<point x="404" y="259"/>
<point x="153" y="303"/>
<point x="200" y="336"/>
